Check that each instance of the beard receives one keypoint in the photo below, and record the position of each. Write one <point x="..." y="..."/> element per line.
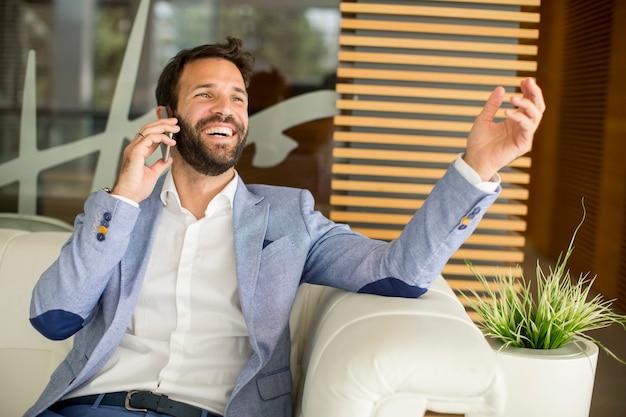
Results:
<point x="209" y="158"/>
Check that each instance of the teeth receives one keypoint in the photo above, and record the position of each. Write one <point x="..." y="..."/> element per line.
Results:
<point x="221" y="131"/>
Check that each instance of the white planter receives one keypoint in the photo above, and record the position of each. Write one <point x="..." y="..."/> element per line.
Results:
<point x="548" y="383"/>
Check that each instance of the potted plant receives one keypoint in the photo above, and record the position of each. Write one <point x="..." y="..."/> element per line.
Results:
<point x="548" y="359"/>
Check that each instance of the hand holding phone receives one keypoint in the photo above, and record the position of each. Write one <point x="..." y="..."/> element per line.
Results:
<point x="165" y="149"/>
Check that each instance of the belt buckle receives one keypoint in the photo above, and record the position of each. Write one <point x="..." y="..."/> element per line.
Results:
<point x="127" y="402"/>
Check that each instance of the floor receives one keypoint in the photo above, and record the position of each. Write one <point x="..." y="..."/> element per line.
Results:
<point x="609" y="394"/>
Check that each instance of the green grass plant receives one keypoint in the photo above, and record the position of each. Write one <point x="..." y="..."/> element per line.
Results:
<point x="561" y="309"/>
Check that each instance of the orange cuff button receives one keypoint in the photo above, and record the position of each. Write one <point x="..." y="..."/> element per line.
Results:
<point x="102" y="230"/>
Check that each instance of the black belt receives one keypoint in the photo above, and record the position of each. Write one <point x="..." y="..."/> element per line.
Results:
<point x="138" y="401"/>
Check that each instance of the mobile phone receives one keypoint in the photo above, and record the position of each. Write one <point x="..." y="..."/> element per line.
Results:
<point x="165" y="149"/>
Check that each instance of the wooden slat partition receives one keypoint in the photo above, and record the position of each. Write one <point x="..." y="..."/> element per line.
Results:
<point x="485" y="47"/>
<point x="476" y="79"/>
<point x="390" y="187"/>
<point x="452" y="62"/>
<point x="411" y="80"/>
<point x="442" y="11"/>
<point x="501" y="32"/>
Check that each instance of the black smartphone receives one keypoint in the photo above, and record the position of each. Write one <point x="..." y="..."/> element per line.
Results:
<point x="165" y="149"/>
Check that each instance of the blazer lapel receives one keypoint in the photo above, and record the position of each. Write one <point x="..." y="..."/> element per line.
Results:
<point x="250" y="219"/>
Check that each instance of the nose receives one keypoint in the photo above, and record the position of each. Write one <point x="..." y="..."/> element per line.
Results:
<point x="221" y="106"/>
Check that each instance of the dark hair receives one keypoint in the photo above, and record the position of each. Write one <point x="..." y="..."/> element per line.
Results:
<point x="167" y="87"/>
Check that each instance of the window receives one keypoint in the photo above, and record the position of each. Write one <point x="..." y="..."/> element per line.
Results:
<point x="92" y="78"/>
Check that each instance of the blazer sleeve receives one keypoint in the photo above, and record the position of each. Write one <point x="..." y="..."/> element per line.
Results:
<point x="407" y="265"/>
<point x="69" y="291"/>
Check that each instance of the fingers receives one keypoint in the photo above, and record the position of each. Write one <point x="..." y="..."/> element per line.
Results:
<point x="530" y="107"/>
<point x="492" y="105"/>
<point x="533" y="93"/>
<point x="160" y="127"/>
<point x="532" y="101"/>
<point x="152" y="140"/>
<point x="151" y="135"/>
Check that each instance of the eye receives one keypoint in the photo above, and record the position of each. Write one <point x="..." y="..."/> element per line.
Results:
<point x="204" y="95"/>
<point x="240" y="98"/>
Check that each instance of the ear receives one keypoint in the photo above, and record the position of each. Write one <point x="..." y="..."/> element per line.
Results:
<point x="162" y="112"/>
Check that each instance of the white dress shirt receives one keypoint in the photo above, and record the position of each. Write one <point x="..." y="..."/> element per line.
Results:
<point x="187" y="338"/>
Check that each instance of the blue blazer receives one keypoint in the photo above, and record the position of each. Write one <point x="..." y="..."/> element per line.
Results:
<point x="280" y="242"/>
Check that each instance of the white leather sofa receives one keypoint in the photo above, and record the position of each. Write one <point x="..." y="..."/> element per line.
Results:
<point x="353" y="354"/>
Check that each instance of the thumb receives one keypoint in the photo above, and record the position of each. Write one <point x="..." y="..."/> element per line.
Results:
<point x="160" y="166"/>
<point x="492" y="105"/>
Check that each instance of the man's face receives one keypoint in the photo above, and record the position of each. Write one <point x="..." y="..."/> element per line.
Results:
<point x="212" y="112"/>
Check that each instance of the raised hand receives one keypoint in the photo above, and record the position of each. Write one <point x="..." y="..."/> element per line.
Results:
<point x="491" y="145"/>
<point x="136" y="180"/>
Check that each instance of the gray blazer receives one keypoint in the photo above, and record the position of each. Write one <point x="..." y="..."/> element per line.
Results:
<point x="280" y="242"/>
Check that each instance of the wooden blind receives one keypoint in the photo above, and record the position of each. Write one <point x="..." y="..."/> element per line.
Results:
<point x="411" y="79"/>
<point x="621" y="279"/>
<point x="586" y="56"/>
<point x="591" y="147"/>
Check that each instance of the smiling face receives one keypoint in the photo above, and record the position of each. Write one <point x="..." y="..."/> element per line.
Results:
<point x="212" y="112"/>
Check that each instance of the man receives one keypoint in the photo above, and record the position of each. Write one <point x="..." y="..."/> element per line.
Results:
<point x="178" y="287"/>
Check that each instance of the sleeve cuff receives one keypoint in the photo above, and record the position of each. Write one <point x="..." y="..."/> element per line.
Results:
<point x="126" y="200"/>
<point x="473" y="178"/>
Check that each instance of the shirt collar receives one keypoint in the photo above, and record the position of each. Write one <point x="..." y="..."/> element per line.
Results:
<point x="169" y="188"/>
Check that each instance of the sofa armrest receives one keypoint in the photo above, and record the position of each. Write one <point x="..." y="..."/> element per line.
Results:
<point x="379" y="356"/>
<point x="26" y="358"/>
